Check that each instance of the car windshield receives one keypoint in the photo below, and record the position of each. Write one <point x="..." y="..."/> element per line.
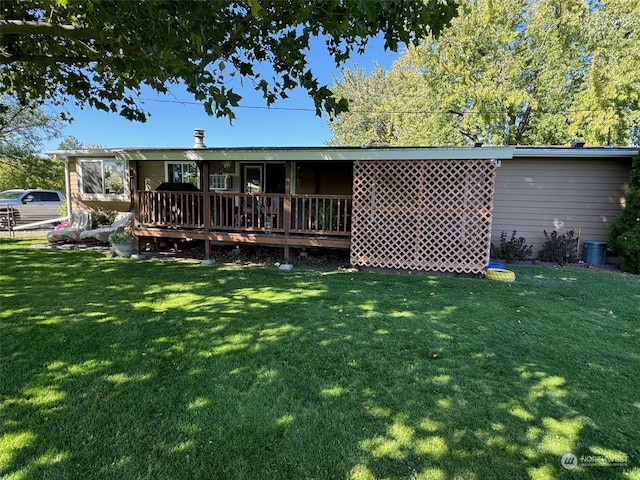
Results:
<point x="10" y="194"/>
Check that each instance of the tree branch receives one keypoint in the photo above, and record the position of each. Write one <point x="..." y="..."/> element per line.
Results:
<point x="44" y="59"/>
<point x="20" y="27"/>
<point x="470" y="135"/>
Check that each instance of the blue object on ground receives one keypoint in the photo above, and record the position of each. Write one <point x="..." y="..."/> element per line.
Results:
<point x="495" y="265"/>
<point x="595" y="252"/>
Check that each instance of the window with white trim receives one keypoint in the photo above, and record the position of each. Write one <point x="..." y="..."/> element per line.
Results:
<point x="220" y="181"/>
<point x="102" y="177"/>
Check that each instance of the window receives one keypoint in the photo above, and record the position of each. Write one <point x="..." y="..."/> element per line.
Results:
<point x="49" y="197"/>
<point x="102" y="177"/>
<point x="183" y="172"/>
<point x="220" y="182"/>
<point x="37" y="196"/>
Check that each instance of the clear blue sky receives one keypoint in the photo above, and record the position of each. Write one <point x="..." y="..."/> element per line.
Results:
<point x="290" y="122"/>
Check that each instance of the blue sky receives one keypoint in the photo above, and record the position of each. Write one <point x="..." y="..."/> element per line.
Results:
<point x="290" y="122"/>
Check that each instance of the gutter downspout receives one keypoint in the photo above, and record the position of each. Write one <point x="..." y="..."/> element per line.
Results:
<point x="67" y="187"/>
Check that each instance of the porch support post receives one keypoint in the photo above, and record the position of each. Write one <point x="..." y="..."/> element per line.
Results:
<point x="134" y="191"/>
<point x="287" y="209"/>
<point x="206" y="210"/>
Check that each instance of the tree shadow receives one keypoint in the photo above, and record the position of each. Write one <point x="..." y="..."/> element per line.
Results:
<point x="161" y="370"/>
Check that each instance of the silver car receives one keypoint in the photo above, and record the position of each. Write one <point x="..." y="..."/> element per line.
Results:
<point x="29" y="206"/>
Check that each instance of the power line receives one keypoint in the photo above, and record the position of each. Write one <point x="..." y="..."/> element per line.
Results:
<point x="252" y="107"/>
<point x="381" y="112"/>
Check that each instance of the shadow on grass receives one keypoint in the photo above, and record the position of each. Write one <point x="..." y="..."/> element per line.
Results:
<point x="120" y="369"/>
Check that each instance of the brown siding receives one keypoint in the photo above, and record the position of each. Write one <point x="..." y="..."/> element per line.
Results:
<point x="74" y="186"/>
<point x="329" y="178"/>
<point x="533" y="195"/>
<point x="151" y="174"/>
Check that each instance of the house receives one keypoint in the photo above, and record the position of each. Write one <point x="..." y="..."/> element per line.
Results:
<point x="414" y="208"/>
<point x="561" y="188"/>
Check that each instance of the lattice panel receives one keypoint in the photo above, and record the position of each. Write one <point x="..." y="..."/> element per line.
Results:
<point x="429" y="215"/>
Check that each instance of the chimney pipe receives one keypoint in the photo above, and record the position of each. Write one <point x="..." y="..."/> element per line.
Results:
<point x="198" y="135"/>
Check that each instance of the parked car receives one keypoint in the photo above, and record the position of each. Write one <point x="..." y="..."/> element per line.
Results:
<point x="29" y="206"/>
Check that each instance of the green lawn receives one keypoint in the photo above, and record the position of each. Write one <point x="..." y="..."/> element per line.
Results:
<point x="117" y="369"/>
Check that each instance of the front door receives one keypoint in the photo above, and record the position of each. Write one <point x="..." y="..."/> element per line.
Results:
<point x="253" y="182"/>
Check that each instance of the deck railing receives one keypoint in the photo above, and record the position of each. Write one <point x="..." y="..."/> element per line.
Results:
<point x="244" y="212"/>
<point x="171" y="209"/>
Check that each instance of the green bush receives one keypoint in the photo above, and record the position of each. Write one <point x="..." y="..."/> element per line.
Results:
<point x="62" y="209"/>
<point x="629" y="244"/>
<point x="624" y="235"/>
<point x="101" y="217"/>
<point x="122" y="236"/>
<point x="559" y="248"/>
<point x="514" y="249"/>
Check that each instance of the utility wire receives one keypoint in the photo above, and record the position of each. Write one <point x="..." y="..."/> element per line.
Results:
<point x="382" y="112"/>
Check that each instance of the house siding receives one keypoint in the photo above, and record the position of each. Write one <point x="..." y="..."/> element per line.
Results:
<point x="335" y="178"/>
<point x="150" y="175"/>
<point x="562" y="194"/>
<point x="74" y="186"/>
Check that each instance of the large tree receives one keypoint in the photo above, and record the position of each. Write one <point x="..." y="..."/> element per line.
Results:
<point x="100" y="53"/>
<point x="23" y="131"/>
<point x="606" y="110"/>
<point x="508" y="72"/>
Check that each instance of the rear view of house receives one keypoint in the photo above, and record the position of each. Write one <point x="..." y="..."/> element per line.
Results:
<point x="413" y="208"/>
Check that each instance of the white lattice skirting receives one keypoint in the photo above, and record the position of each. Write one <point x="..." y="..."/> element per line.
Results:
<point x="429" y="215"/>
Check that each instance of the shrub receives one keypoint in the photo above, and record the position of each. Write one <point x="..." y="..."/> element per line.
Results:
<point x="624" y="236"/>
<point x="629" y="246"/>
<point x="101" y="217"/>
<point x="514" y="249"/>
<point x="122" y="236"/>
<point x="62" y="209"/>
<point x="559" y="248"/>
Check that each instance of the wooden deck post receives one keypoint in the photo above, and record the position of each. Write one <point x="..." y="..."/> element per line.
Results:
<point x="287" y="209"/>
<point x="135" y="197"/>
<point x="206" y="208"/>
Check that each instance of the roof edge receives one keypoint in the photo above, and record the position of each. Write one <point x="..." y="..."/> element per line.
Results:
<point x="575" y="152"/>
<point x="328" y="153"/>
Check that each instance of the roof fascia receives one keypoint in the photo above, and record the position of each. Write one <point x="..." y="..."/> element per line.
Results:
<point x="581" y="152"/>
<point x="317" y="154"/>
<point x="83" y="153"/>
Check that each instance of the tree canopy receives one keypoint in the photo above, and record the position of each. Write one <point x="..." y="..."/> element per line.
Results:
<point x="100" y="53"/>
<point x="524" y="72"/>
<point x="23" y="130"/>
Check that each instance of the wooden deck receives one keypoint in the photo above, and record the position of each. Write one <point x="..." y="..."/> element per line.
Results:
<point x="263" y="219"/>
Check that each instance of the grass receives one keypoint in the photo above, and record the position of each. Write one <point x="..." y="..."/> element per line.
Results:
<point x="114" y="369"/>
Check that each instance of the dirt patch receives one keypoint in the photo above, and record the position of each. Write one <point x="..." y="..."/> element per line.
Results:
<point x="607" y="266"/>
<point x="193" y="252"/>
<point x="245" y="255"/>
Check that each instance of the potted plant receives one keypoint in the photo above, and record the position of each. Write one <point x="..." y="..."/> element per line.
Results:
<point x="123" y="242"/>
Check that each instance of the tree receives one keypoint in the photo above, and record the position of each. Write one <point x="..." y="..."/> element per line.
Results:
<point x="100" y="53"/>
<point x="624" y="236"/>
<point x="368" y="121"/>
<point x="23" y="130"/>
<point x="606" y="109"/>
<point x="512" y="72"/>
